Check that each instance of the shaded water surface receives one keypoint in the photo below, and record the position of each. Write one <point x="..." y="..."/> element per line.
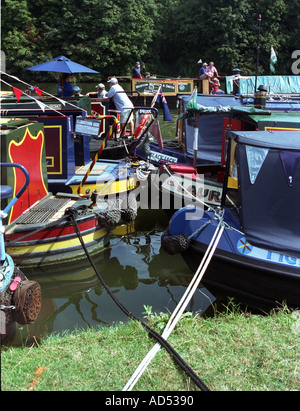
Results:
<point x="136" y="270"/>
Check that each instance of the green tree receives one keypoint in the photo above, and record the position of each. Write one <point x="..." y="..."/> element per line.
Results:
<point x="106" y="36"/>
<point x="20" y="36"/>
<point x="272" y="32"/>
<point x="291" y="37"/>
<point x="169" y="36"/>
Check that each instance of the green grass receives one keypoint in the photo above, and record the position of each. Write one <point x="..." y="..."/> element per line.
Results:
<point x="231" y="351"/>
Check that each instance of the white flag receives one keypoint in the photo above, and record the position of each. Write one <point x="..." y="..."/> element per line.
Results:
<point x="41" y="105"/>
<point x="273" y="60"/>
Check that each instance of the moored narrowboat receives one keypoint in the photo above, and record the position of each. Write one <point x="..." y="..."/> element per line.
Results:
<point x="45" y="229"/>
<point x="257" y="257"/>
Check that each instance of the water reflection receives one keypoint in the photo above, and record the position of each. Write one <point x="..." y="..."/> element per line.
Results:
<point x="136" y="270"/>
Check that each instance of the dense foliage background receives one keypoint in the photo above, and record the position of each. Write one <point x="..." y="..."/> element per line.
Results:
<point x="168" y="36"/>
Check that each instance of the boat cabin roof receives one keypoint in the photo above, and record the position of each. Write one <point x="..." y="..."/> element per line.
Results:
<point x="281" y="140"/>
<point x="281" y="121"/>
<point x="268" y="166"/>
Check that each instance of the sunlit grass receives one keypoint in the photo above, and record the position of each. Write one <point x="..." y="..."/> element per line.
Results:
<point x="230" y="351"/>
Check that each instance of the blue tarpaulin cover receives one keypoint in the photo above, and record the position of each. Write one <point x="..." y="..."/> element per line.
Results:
<point x="277" y="84"/>
<point x="210" y="128"/>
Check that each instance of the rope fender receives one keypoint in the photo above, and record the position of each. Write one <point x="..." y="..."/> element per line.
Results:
<point x="20" y="300"/>
<point x="174" y="244"/>
<point x="122" y="208"/>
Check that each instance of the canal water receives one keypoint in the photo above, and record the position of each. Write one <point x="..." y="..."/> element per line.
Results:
<point x="134" y="267"/>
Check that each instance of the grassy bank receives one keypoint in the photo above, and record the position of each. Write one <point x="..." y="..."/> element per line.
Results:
<point x="230" y="351"/>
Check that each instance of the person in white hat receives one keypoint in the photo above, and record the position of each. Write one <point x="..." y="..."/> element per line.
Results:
<point x="101" y="92"/>
<point x="122" y="103"/>
<point x="202" y="72"/>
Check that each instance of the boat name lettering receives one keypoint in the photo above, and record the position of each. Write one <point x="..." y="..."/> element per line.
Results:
<point x="281" y="258"/>
<point x="200" y="192"/>
<point x="145" y="111"/>
<point x="245" y="248"/>
<point x="170" y="86"/>
<point x="196" y="189"/>
<point x="162" y="157"/>
<point x="55" y="106"/>
<point x="141" y="85"/>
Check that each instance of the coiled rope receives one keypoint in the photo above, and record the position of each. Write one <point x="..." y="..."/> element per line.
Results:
<point x="161" y="340"/>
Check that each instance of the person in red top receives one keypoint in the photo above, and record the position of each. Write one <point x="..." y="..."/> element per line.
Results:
<point x="215" y="87"/>
<point x="212" y="72"/>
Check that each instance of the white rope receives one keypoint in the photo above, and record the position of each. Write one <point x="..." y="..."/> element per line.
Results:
<point x="37" y="101"/>
<point x="188" y="192"/>
<point x="45" y="92"/>
<point x="180" y="307"/>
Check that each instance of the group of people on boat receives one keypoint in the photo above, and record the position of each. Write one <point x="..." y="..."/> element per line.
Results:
<point x="116" y="93"/>
<point x="122" y="102"/>
<point x="119" y="97"/>
<point x="210" y="72"/>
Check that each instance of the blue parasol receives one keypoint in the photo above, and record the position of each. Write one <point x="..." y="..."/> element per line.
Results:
<point x="62" y="64"/>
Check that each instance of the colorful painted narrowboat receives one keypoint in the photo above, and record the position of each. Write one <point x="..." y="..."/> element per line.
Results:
<point x="200" y="148"/>
<point x="44" y="229"/>
<point x="257" y="254"/>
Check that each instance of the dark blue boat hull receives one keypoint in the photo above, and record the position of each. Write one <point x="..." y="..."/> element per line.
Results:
<point x="258" y="278"/>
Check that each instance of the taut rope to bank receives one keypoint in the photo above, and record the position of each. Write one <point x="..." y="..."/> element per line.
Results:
<point x="175" y="317"/>
<point x="162" y="342"/>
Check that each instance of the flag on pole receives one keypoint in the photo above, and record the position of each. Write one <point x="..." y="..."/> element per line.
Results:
<point x="193" y="97"/>
<point x="273" y="60"/>
<point x="161" y="100"/>
<point x="192" y="103"/>
<point x="155" y="132"/>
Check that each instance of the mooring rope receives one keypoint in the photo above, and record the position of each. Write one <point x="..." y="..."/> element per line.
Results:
<point x="175" y="317"/>
<point x="188" y="192"/>
<point x="162" y="342"/>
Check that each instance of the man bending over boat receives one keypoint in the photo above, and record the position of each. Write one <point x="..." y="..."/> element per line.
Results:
<point x="122" y="103"/>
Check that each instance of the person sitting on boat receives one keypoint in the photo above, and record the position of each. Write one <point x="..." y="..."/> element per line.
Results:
<point x="136" y="71"/>
<point x="65" y="88"/>
<point x="76" y="92"/>
<point x="215" y="87"/>
<point x="101" y="92"/>
<point x="203" y="74"/>
<point x="212" y="72"/>
<point x="30" y="90"/>
<point x="211" y="69"/>
<point x="122" y="103"/>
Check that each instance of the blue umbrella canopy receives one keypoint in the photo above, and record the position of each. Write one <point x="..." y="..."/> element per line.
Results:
<point x="62" y="64"/>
